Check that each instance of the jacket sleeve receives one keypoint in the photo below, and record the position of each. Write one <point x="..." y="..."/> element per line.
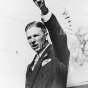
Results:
<point x="59" y="40"/>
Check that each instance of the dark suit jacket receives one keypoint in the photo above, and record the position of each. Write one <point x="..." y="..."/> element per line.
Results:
<point x="53" y="73"/>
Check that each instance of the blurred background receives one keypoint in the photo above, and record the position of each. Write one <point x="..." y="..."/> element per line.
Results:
<point x="15" y="52"/>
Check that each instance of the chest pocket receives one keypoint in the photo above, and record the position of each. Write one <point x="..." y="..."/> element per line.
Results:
<point x="46" y="75"/>
<point x="46" y="68"/>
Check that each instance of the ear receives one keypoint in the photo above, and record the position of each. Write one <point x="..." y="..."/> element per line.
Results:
<point x="46" y="34"/>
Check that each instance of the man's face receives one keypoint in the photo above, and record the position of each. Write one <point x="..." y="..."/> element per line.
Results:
<point x="36" y="38"/>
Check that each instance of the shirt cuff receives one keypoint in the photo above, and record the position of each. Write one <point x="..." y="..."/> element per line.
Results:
<point x="46" y="17"/>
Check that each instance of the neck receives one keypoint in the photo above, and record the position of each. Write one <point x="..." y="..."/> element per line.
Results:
<point x="45" y="44"/>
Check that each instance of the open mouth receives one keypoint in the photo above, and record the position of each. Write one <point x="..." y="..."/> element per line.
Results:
<point x="35" y="46"/>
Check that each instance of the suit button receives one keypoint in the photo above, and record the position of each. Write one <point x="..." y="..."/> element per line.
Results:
<point x="42" y="75"/>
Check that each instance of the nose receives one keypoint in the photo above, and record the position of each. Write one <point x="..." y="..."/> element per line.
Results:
<point x="33" y="41"/>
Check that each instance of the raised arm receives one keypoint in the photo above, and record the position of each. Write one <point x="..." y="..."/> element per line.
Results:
<point x="57" y="35"/>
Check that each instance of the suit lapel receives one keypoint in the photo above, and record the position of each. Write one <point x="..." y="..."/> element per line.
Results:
<point x="38" y="65"/>
<point x="45" y="54"/>
<point x="31" y="65"/>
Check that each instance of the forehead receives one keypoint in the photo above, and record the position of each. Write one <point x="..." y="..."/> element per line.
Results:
<point x="34" y="30"/>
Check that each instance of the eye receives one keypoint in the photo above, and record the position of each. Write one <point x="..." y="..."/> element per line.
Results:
<point x="36" y="35"/>
<point x="29" y="37"/>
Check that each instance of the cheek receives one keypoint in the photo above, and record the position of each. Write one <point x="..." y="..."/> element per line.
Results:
<point x="29" y="42"/>
<point x="42" y="40"/>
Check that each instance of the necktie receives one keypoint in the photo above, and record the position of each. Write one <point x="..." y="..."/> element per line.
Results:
<point x="36" y="60"/>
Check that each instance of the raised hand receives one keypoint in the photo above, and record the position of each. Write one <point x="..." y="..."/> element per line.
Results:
<point x="41" y="5"/>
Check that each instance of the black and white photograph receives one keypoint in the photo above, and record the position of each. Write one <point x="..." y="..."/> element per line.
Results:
<point x="44" y="44"/>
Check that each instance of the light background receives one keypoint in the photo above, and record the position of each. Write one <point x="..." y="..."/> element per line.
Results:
<point x="15" y="53"/>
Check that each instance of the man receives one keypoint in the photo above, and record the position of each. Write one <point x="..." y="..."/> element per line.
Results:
<point x="50" y="66"/>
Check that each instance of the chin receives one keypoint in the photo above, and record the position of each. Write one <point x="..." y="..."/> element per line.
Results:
<point x="37" y="50"/>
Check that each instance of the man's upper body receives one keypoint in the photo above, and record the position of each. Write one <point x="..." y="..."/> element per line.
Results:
<point x="50" y="70"/>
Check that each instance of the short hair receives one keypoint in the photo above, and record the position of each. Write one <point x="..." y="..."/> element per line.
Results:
<point x="36" y="24"/>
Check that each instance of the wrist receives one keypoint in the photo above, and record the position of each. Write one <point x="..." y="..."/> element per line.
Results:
<point x="46" y="17"/>
<point x="44" y="10"/>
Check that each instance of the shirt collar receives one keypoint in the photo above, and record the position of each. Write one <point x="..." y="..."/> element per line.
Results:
<point x="40" y="54"/>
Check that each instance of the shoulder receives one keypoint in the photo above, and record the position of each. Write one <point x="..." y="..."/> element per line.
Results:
<point x="28" y="68"/>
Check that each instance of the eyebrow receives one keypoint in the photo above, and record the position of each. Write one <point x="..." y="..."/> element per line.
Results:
<point x="28" y="37"/>
<point x="36" y="35"/>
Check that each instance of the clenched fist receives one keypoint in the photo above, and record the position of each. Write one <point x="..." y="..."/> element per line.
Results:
<point x="41" y="5"/>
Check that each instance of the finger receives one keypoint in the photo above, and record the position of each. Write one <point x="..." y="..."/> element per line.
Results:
<point x="40" y="2"/>
<point x="36" y="3"/>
